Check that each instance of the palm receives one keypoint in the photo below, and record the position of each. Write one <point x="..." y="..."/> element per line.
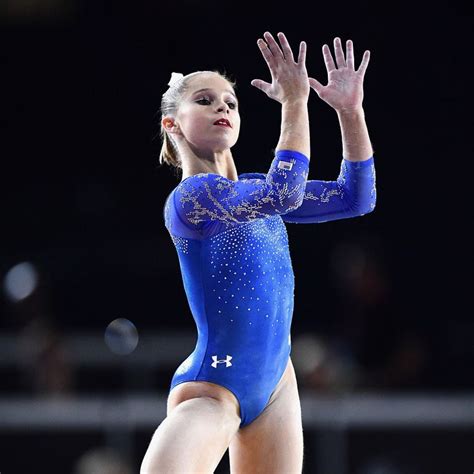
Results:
<point x="344" y="90"/>
<point x="289" y="78"/>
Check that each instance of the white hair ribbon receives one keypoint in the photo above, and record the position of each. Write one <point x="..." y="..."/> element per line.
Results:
<point x="175" y="77"/>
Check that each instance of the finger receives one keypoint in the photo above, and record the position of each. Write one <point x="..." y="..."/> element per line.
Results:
<point x="273" y="45"/>
<point x="302" y="54"/>
<point x="266" y="53"/>
<point x="262" y="85"/>
<point x="316" y="85"/>
<point x="350" y="54"/>
<point x="287" y="52"/>
<point x="364" y="63"/>
<point x="340" y="61"/>
<point x="328" y="60"/>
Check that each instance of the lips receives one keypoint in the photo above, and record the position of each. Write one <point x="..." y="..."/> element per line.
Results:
<point x="223" y="123"/>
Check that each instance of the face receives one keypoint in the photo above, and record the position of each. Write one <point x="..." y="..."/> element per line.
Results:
<point x="208" y="116"/>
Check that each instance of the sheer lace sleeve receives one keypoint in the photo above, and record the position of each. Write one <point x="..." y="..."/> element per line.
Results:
<point x="208" y="197"/>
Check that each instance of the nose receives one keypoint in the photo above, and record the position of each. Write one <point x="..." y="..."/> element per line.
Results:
<point x="223" y="107"/>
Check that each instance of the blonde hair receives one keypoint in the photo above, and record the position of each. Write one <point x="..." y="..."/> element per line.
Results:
<point x="169" y="106"/>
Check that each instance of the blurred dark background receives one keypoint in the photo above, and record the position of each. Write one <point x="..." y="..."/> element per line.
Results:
<point x="381" y="302"/>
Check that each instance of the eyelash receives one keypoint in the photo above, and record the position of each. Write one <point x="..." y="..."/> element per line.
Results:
<point x="232" y="105"/>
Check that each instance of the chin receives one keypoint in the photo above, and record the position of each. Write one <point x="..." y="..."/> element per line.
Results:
<point x="214" y="145"/>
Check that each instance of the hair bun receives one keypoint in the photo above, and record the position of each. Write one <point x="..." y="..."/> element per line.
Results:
<point x="175" y="77"/>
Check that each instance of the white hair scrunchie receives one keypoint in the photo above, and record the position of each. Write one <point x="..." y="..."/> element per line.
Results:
<point x="175" y="77"/>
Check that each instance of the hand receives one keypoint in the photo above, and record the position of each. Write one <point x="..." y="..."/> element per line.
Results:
<point x="289" y="78"/>
<point x="344" y="91"/>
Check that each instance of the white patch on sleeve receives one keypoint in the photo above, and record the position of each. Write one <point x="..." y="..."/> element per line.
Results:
<point x="285" y="165"/>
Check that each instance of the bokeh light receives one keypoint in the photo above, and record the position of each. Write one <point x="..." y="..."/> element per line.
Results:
<point x="20" y="281"/>
<point x="121" y="336"/>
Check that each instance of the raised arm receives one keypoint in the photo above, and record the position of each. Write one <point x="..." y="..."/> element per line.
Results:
<point x="354" y="192"/>
<point x="290" y="87"/>
<point x="344" y="93"/>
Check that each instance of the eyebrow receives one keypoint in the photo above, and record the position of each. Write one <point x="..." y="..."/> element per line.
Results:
<point x="208" y="89"/>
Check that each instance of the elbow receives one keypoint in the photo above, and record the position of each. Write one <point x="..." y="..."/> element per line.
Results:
<point x="364" y="203"/>
<point x="372" y="201"/>
<point x="369" y="209"/>
<point x="363" y="208"/>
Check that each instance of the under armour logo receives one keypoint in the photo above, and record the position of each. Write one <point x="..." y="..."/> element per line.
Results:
<point x="227" y="361"/>
<point x="285" y="165"/>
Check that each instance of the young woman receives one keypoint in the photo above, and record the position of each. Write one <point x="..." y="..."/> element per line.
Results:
<point x="238" y="389"/>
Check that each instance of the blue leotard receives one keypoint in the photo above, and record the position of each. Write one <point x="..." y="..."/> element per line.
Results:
<point x="233" y="252"/>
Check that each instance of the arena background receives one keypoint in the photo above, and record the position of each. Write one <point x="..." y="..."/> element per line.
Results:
<point x="382" y="329"/>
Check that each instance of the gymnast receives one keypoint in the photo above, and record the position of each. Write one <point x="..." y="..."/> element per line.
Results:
<point x="237" y="390"/>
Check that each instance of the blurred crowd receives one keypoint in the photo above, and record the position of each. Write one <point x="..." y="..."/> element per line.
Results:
<point x="102" y="460"/>
<point x="372" y="341"/>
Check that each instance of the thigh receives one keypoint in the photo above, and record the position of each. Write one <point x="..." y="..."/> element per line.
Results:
<point x="273" y="443"/>
<point x="188" y="390"/>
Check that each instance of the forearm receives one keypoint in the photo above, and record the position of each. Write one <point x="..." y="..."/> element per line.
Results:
<point x="294" y="132"/>
<point x="356" y="144"/>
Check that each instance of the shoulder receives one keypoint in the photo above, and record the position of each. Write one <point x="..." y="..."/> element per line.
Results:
<point x="203" y="186"/>
<point x="252" y="176"/>
<point x="195" y="181"/>
<point x="211" y="182"/>
<point x="199" y="178"/>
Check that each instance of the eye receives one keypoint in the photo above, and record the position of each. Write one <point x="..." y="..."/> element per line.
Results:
<point x="207" y="101"/>
<point x="203" y="101"/>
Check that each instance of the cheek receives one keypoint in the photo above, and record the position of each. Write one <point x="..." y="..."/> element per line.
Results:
<point x="237" y="127"/>
<point x="193" y="126"/>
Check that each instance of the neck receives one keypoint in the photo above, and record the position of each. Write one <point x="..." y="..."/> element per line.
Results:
<point x="221" y="163"/>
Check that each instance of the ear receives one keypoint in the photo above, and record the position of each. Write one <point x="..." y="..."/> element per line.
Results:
<point x="170" y="125"/>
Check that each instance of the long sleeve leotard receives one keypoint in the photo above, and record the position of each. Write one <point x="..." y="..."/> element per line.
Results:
<point x="233" y="252"/>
